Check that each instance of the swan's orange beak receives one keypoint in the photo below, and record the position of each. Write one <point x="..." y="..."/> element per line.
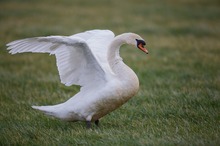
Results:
<point x="141" y="47"/>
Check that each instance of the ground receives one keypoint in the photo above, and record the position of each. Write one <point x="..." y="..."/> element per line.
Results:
<point x="179" y="98"/>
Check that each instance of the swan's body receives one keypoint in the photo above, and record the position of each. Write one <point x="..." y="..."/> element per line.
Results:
<point x="89" y="59"/>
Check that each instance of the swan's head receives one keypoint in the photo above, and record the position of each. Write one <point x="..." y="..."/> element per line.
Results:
<point x="137" y="41"/>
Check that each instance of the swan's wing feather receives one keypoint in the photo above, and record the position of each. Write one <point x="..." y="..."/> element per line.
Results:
<point x="99" y="41"/>
<point x="29" y="45"/>
<point x="78" y="66"/>
<point x="91" y="33"/>
<point x="75" y="61"/>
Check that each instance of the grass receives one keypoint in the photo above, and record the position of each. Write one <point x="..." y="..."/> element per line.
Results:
<point x="179" y="98"/>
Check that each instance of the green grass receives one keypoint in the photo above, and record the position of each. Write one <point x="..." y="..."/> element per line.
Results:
<point x="179" y="98"/>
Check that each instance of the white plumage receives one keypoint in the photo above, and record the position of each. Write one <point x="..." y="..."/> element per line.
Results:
<point x="90" y="59"/>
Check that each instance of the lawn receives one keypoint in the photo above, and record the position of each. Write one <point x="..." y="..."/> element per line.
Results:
<point x="179" y="98"/>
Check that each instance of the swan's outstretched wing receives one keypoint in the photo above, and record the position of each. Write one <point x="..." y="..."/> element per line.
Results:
<point x="75" y="60"/>
<point x="99" y="41"/>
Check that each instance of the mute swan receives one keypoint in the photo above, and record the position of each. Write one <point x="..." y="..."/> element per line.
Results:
<point x="90" y="59"/>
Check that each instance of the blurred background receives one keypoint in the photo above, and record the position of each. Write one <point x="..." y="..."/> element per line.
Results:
<point x="179" y="97"/>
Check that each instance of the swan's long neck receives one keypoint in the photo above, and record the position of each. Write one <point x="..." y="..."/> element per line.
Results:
<point x="113" y="52"/>
<point x="122" y="71"/>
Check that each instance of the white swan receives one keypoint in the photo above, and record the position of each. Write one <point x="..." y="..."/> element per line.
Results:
<point x="89" y="59"/>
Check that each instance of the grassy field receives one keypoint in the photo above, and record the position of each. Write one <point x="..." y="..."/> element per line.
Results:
<point x="179" y="98"/>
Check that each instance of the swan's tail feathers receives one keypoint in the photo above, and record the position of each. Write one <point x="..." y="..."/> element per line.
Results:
<point x="48" y="110"/>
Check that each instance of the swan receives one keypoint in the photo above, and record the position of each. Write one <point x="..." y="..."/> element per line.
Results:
<point x="91" y="60"/>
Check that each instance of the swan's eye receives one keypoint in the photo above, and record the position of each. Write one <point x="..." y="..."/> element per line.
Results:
<point x="142" y="42"/>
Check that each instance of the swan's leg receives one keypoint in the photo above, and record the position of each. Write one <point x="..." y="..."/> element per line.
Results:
<point x="88" y="124"/>
<point x="97" y="122"/>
